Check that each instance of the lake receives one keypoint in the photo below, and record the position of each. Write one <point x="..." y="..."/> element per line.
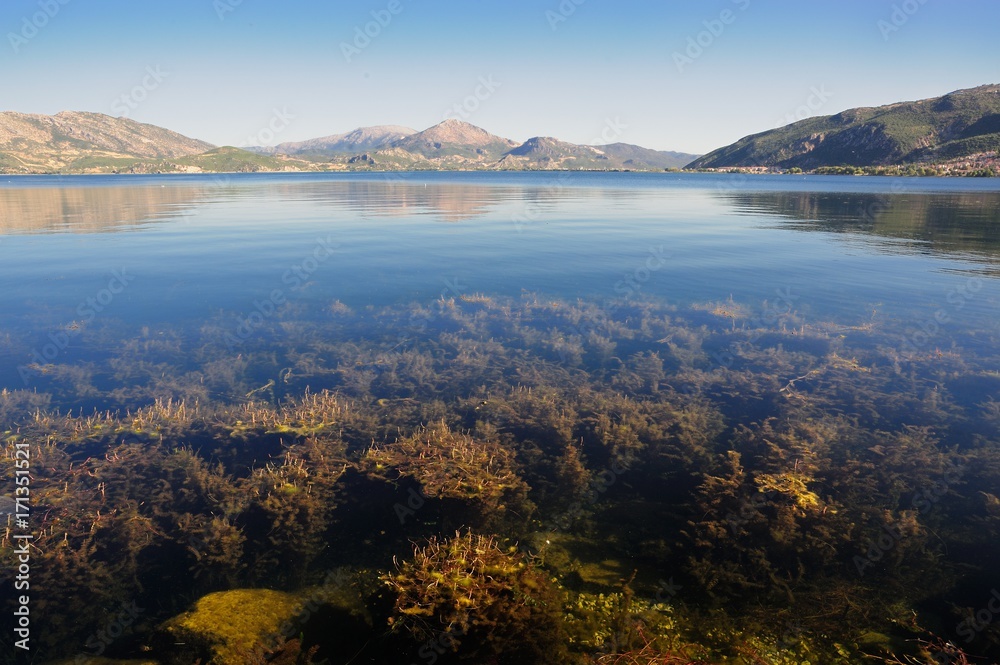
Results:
<point x="769" y="373"/>
<point x="199" y="250"/>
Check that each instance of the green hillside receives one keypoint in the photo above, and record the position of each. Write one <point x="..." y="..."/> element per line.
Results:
<point x="233" y="160"/>
<point x="957" y="125"/>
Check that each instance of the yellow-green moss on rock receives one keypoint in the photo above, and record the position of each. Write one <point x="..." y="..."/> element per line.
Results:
<point x="231" y="625"/>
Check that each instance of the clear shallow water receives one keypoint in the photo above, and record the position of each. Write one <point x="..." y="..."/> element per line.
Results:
<point x="775" y="399"/>
<point x="200" y="249"/>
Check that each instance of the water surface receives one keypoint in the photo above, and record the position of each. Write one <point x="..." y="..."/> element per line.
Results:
<point x="207" y="248"/>
<point x="775" y="399"/>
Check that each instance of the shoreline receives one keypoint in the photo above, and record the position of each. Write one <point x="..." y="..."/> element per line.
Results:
<point x="872" y="172"/>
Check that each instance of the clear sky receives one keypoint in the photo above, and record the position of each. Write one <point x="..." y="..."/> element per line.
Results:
<point x="585" y="71"/>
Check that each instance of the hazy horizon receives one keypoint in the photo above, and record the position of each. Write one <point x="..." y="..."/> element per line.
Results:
<point x="687" y="79"/>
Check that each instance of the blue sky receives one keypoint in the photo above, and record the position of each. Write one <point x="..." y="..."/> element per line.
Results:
<point x="584" y="71"/>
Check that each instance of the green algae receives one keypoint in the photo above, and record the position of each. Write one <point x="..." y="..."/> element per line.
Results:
<point x="233" y="625"/>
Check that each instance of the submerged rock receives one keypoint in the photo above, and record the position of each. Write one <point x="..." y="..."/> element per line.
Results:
<point x="249" y="625"/>
<point x="228" y="627"/>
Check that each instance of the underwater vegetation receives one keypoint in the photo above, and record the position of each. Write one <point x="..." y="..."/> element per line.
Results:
<point x="508" y="479"/>
<point x="477" y="477"/>
<point x="482" y="600"/>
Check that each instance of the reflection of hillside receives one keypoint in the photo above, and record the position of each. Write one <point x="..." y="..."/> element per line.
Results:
<point x="90" y="209"/>
<point x="452" y="202"/>
<point x="967" y="223"/>
<point x="106" y="208"/>
<point x="393" y="198"/>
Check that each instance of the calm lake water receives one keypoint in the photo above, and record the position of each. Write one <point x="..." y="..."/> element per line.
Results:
<point x="194" y="251"/>
<point x="763" y="411"/>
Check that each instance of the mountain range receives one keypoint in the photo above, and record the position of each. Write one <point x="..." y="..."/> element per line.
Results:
<point x="454" y="144"/>
<point x="75" y="142"/>
<point x="955" y="133"/>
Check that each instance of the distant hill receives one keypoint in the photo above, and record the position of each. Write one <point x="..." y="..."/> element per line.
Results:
<point x="457" y="140"/>
<point x="359" y="140"/>
<point x="636" y="157"/>
<point x="543" y="152"/>
<point x="961" y="124"/>
<point x="218" y="160"/>
<point x="72" y="141"/>
<point x="232" y="160"/>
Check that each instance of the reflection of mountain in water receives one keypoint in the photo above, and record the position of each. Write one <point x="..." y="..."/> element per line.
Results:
<point x="90" y="209"/>
<point x="117" y="208"/>
<point x="452" y="202"/>
<point x="967" y="223"/>
<point x="398" y="198"/>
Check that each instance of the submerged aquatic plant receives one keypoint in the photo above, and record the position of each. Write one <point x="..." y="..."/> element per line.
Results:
<point x="487" y="601"/>
<point x="795" y="464"/>
<point x="454" y="466"/>
<point x="648" y="654"/>
<point x="931" y="652"/>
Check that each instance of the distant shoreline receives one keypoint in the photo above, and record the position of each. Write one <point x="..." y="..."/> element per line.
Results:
<point x="874" y="172"/>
